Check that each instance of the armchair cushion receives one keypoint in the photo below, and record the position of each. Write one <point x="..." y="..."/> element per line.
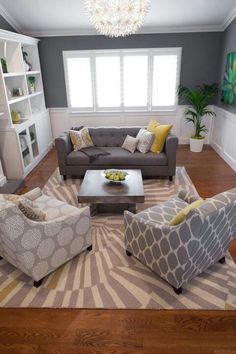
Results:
<point x="163" y="213"/>
<point x="34" y="194"/>
<point x="54" y="208"/>
<point x="187" y="196"/>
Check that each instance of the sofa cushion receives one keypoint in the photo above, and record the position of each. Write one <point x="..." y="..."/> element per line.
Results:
<point x="118" y="156"/>
<point x="111" y="136"/>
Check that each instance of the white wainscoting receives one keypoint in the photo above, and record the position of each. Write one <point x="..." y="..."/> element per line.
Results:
<point x="223" y="135"/>
<point x="61" y="121"/>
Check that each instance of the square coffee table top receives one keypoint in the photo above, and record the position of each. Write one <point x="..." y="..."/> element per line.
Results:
<point x="96" y="189"/>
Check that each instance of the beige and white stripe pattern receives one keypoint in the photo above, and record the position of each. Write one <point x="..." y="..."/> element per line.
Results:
<point x="107" y="278"/>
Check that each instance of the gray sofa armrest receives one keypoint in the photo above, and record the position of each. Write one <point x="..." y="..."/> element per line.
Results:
<point x="170" y="149"/>
<point x="63" y="147"/>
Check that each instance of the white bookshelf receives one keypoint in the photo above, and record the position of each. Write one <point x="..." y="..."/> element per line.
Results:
<point x="22" y="144"/>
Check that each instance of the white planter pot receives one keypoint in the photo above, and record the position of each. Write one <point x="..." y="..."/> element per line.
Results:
<point x="196" y="145"/>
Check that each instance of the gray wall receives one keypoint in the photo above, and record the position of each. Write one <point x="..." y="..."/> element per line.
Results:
<point x="229" y="45"/>
<point x="201" y="57"/>
<point x="4" y="25"/>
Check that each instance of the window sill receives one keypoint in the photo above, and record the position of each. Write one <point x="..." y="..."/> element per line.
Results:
<point x="126" y="113"/>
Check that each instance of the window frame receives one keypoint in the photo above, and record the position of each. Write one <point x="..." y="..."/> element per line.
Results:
<point x="92" y="54"/>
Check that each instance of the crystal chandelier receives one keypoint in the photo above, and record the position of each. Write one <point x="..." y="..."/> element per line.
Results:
<point x="115" y="18"/>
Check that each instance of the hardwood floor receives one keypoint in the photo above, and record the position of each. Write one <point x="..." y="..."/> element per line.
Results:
<point x="27" y="331"/>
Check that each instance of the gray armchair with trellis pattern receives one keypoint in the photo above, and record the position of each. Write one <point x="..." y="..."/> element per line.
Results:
<point x="179" y="253"/>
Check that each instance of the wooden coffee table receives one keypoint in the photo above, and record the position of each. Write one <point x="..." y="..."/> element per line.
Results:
<point x="108" y="197"/>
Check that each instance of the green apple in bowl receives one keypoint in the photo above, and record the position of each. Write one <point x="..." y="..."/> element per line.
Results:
<point x="115" y="175"/>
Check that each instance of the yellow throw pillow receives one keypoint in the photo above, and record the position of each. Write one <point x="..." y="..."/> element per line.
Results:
<point x="152" y="125"/>
<point x="184" y="212"/>
<point x="160" y="132"/>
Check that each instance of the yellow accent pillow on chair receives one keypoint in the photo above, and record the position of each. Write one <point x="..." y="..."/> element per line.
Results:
<point x="178" y="218"/>
<point x="160" y="132"/>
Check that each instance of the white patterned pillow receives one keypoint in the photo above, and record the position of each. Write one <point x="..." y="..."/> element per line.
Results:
<point x="130" y="144"/>
<point x="145" y="140"/>
<point x="80" y="139"/>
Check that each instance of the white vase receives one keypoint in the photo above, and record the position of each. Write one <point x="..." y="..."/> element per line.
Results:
<point x="196" y="145"/>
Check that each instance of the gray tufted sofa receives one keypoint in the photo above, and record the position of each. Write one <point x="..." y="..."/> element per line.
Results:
<point x="76" y="163"/>
<point x="179" y="253"/>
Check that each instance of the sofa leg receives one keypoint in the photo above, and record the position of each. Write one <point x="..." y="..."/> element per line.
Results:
<point x="128" y="253"/>
<point x="170" y="178"/>
<point x="38" y="283"/>
<point x="222" y="260"/>
<point x="64" y="177"/>
<point x="89" y="248"/>
<point x="178" y="291"/>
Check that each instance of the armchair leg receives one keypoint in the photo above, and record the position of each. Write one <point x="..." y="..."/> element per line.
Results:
<point x="178" y="291"/>
<point x="64" y="177"/>
<point x="89" y="248"/>
<point x="170" y="178"/>
<point x="38" y="283"/>
<point x="222" y="260"/>
<point x="128" y="253"/>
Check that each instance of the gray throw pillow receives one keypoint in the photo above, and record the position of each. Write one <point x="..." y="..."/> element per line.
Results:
<point x="130" y="144"/>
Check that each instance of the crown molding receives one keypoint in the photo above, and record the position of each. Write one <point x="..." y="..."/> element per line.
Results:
<point x="144" y="30"/>
<point x="12" y="22"/>
<point x="229" y="19"/>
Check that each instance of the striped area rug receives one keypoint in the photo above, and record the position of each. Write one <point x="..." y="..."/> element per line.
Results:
<point x="106" y="277"/>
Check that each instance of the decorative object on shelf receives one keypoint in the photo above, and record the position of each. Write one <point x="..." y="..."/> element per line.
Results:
<point x="32" y="84"/>
<point x="16" y="117"/>
<point x="4" y="66"/>
<point x="9" y="93"/>
<point x="28" y="66"/>
<point x="198" y="101"/>
<point x="32" y="136"/>
<point x="117" y="18"/>
<point x="23" y="142"/>
<point x="17" y="92"/>
<point x="229" y="83"/>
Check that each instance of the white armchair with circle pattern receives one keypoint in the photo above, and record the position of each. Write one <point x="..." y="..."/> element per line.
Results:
<point x="179" y="253"/>
<point x="38" y="248"/>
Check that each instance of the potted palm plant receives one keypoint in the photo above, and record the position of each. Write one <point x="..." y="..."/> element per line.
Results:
<point x="198" y="101"/>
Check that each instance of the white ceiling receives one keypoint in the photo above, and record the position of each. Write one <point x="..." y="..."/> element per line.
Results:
<point x="61" y="17"/>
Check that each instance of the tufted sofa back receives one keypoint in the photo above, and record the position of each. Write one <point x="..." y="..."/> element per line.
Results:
<point x="111" y="136"/>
